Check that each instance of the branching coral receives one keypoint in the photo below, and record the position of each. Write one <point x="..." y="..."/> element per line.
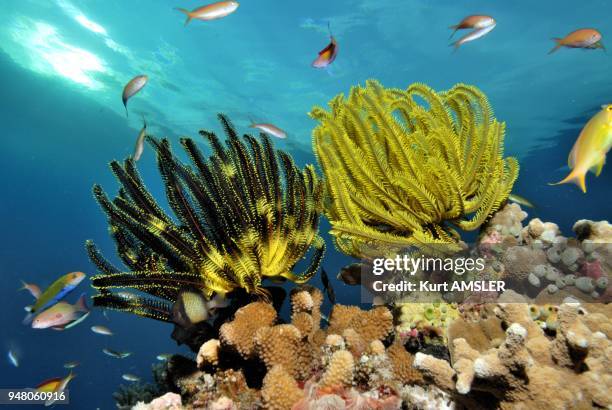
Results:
<point x="245" y="214"/>
<point x="399" y="173"/>
<point x="302" y="370"/>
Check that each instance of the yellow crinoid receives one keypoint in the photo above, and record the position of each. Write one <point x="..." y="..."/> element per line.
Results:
<point x="407" y="168"/>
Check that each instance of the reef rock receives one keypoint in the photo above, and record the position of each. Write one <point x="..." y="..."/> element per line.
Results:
<point x="528" y="369"/>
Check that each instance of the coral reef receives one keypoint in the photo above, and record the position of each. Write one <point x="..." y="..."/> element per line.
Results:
<point x="528" y="368"/>
<point x="169" y="401"/>
<point x="129" y="395"/>
<point x="304" y="366"/>
<point x="538" y="261"/>
<point x="428" y="321"/>
<point x="399" y="173"/>
<point x="245" y="214"/>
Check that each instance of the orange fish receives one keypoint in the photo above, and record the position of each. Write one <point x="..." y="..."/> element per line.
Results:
<point x="211" y="11"/>
<point x="481" y="25"/>
<point x="55" y="385"/>
<point x="584" y="38"/>
<point x="328" y="54"/>
<point x="133" y="87"/>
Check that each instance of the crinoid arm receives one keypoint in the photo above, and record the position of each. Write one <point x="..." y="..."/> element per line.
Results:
<point x="138" y="305"/>
<point x="235" y="218"/>
<point x="409" y="167"/>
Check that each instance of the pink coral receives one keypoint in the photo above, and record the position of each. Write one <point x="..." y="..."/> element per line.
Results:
<point x="169" y="401"/>
<point x="592" y="269"/>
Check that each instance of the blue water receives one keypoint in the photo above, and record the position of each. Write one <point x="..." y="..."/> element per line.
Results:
<point x="63" y="64"/>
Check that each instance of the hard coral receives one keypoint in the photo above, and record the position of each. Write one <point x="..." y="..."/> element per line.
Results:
<point x="526" y="370"/>
<point x="280" y="391"/>
<point x="169" y="401"/>
<point x="240" y="332"/>
<point x="399" y="173"/>
<point x="370" y="325"/>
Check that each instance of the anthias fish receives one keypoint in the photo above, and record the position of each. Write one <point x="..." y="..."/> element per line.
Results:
<point x="55" y="385"/>
<point x="211" y="11"/>
<point x="590" y="149"/>
<point x="139" y="148"/>
<point x="191" y="307"/>
<point x="32" y="288"/>
<point x="130" y="377"/>
<point x="270" y="129"/>
<point x="583" y="38"/>
<point x="12" y="358"/>
<point x="56" y="292"/>
<point x="481" y="25"/>
<point x="101" y="330"/>
<point x="132" y="88"/>
<point x="71" y="365"/>
<point x="328" y="54"/>
<point x="62" y="315"/>
<point x="520" y="200"/>
<point x="116" y="354"/>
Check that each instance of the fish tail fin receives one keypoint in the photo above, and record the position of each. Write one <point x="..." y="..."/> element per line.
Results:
<point x="455" y="45"/>
<point x="557" y="46"/>
<point x="126" y="110"/>
<point x="28" y="319"/>
<point x="81" y="304"/>
<point x="575" y="177"/>
<point x="454" y="28"/>
<point x="218" y="301"/>
<point x="24" y="285"/>
<point x="186" y="12"/>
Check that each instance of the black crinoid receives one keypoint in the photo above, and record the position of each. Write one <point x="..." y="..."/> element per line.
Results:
<point x="244" y="214"/>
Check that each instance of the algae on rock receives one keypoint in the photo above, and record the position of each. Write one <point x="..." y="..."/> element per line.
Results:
<point x="399" y="173"/>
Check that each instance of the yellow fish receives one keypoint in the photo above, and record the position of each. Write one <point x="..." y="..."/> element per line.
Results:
<point x="590" y="149"/>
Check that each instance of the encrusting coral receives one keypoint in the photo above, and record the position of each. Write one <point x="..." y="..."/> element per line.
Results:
<point x="528" y="368"/>
<point x="399" y="173"/>
<point x="245" y="214"/>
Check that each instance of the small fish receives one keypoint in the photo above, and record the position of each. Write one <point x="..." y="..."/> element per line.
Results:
<point x="55" y="385"/>
<point x="590" y="149"/>
<point x="192" y="307"/>
<point x="211" y="11"/>
<point x="71" y="365"/>
<point x="116" y="354"/>
<point x="131" y="88"/>
<point x="54" y="293"/>
<point x="351" y="274"/>
<point x="62" y="315"/>
<point x="328" y="54"/>
<point x="130" y="377"/>
<point x="588" y="38"/>
<point x="32" y="288"/>
<point x="328" y="287"/>
<point x="270" y="129"/>
<point x="163" y="357"/>
<point x="520" y="200"/>
<point x="101" y="330"/>
<point x="12" y="358"/>
<point x="139" y="148"/>
<point x="481" y="25"/>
